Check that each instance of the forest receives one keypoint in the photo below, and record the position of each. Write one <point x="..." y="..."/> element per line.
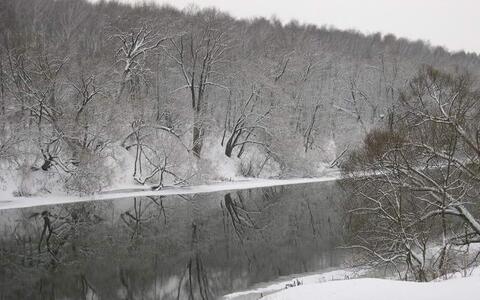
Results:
<point x="96" y="95"/>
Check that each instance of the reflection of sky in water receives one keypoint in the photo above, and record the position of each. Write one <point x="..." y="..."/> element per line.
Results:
<point x="202" y="245"/>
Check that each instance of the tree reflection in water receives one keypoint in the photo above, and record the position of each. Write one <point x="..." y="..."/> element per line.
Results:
<point x="176" y="247"/>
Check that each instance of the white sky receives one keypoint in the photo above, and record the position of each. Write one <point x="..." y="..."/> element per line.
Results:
<point x="454" y="24"/>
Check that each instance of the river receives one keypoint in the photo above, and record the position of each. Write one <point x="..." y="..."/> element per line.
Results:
<point x="198" y="246"/>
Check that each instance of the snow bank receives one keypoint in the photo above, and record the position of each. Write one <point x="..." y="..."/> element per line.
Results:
<point x="9" y="201"/>
<point x="281" y="284"/>
<point x="381" y="289"/>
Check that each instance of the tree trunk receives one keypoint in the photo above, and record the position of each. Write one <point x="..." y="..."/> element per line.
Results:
<point x="228" y="150"/>
<point x="198" y="132"/>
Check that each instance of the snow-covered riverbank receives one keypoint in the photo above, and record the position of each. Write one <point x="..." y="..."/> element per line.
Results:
<point x="261" y="290"/>
<point x="381" y="289"/>
<point x="344" y="285"/>
<point x="8" y="201"/>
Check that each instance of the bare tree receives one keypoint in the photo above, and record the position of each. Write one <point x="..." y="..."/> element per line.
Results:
<point x="132" y="53"/>
<point x="35" y="87"/>
<point x="418" y="182"/>
<point x="152" y="159"/>
<point x="198" y="55"/>
<point x="249" y="127"/>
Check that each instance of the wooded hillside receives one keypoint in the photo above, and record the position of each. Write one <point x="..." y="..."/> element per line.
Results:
<point x="91" y="91"/>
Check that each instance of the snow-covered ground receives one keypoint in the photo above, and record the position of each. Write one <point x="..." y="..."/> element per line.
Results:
<point x="382" y="289"/>
<point x="8" y="201"/>
<point x="294" y="280"/>
<point x="339" y="285"/>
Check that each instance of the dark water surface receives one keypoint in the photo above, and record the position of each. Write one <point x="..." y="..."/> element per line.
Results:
<point x="175" y="247"/>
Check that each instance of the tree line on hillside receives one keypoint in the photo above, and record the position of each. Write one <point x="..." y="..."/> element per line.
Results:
<point x="169" y="95"/>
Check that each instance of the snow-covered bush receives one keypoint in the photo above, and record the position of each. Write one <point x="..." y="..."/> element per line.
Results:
<point x="89" y="176"/>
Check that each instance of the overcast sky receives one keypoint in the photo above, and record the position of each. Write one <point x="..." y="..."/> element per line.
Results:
<point x="454" y="24"/>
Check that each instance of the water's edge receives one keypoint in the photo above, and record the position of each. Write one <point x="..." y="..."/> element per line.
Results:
<point x="11" y="202"/>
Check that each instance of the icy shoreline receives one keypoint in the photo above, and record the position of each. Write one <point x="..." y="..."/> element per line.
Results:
<point x="11" y="202"/>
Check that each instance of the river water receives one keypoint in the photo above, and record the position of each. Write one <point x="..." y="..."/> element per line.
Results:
<point x="172" y="247"/>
